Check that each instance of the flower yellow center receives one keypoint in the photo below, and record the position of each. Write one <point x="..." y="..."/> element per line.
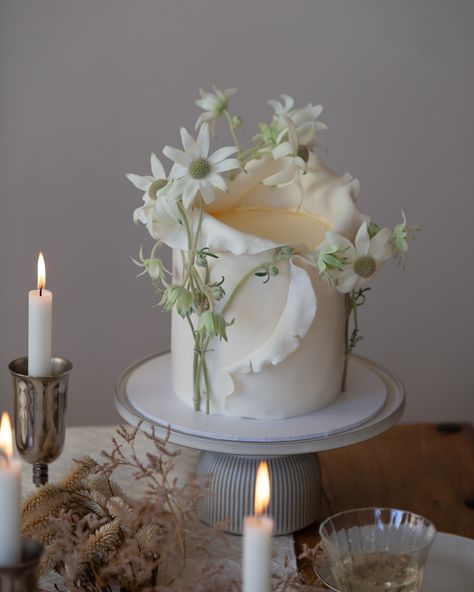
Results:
<point x="155" y="187"/>
<point x="364" y="266"/>
<point x="199" y="168"/>
<point x="303" y="152"/>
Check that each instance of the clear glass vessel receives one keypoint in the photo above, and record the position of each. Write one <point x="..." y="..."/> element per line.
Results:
<point x="377" y="549"/>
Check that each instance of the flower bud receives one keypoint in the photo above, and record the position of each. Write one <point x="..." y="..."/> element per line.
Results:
<point x="212" y="324"/>
<point x="179" y="296"/>
<point x="236" y="121"/>
<point x="154" y="268"/>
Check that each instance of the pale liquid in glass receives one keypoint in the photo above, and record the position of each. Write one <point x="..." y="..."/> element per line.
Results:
<point x="377" y="572"/>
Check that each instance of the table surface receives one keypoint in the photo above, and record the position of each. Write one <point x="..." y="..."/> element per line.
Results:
<point x="415" y="467"/>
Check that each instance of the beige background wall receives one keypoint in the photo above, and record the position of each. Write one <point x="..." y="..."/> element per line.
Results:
<point x="89" y="88"/>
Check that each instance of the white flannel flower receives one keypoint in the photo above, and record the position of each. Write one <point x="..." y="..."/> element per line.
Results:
<point x="214" y="105"/>
<point x="151" y="185"/>
<point x="400" y="236"/>
<point x="306" y="124"/>
<point x="193" y="171"/>
<point x="296" y="152"/>
<point x="283" y="109"/>
<point x="362" y="259"/>
<point x="305" y="119"/>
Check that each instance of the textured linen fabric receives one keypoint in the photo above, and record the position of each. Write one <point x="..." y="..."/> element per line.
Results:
<point x="92" y="440"/>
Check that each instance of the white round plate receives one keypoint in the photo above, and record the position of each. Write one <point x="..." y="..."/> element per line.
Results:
<point x="450" y="565"/>
<point x="373" y="402"/>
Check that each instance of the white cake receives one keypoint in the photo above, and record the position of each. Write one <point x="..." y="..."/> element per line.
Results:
<point x="285" y="351"/>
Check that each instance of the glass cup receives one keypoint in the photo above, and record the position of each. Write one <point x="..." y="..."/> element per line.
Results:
<point x="377" y="549"/>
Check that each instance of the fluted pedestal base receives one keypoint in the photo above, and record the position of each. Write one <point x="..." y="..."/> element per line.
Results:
<point x="230" y="479"/>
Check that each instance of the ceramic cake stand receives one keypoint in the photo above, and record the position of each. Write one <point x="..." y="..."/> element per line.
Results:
<point x="232" y="447"/>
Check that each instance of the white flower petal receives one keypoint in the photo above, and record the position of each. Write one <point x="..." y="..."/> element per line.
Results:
<point x="203" y="141"/>
<point x="202" y="119"/>
<point x="226" y="165"/>
<point x="275" y="105"/>
<point x="156" y="167"/>
<point x="343" y="243"/>
<point x="207" y="103"/>
<point x="221" y="154"/>
<point x="379" y="247"/>
<point x="282" y="150"/>
<point x="362" y="240"/>
<point x="177" y="155"/>
<point x="178" y="171"/>
<point x="218" y="181"/>
<point x="175" y="188"/>
<point x="189" y="144"/>
<point x="207" y="191"/>
<point x="289" y="101"/>
<point x="346" y="283"/>
<point x="142" y="183"/>
<point x="139" y="215"/>
<point x="190" y="190"/>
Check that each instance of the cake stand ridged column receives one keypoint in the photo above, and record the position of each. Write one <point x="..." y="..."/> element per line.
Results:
<point x="231" y="447"/>
<point x="295" y="486"/>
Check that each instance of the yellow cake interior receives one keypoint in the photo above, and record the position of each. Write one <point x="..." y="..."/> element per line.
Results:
<point x="284" y="226"/>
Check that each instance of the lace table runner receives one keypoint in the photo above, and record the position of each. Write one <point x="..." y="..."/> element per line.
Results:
<point x="92" y="440"/>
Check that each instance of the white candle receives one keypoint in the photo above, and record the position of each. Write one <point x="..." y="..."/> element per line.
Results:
<point x="257" y="543"/>
<point x="40" y="316"/>
<point x="10" y="476"/>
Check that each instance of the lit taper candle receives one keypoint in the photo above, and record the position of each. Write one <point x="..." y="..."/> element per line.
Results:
<point x="258" y="529"/>
<point x="40" y="318"/>
<point x="10" y="478"/>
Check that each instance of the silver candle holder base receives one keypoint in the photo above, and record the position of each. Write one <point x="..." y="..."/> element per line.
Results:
<point x="40" y="414"/>
<point x="23" y="577"/>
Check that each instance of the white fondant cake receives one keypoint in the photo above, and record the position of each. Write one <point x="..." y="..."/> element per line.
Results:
<point x="285" y="351"/>
<point x="270" y="262"/>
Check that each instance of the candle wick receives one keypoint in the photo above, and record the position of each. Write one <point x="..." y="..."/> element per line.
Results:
<point x="41" y="290"/>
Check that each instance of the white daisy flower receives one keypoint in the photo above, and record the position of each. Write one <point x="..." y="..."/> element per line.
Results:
<point x="305" y="119"/>
<point x="306" y="124"/>
<point x="154" y="187"/>
<point x="400" y="236"/>
<point x="214" y="105"/>
<point x="362" y="259"/>
<point x="159" y="211"/>
<point x="284" y="108"/>
<point x="193" y="171"/>
<point x="296" y="152"/>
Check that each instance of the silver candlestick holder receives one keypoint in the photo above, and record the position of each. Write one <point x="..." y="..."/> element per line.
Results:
<point x="23" y="577"/>
<point x="40" y="414"/>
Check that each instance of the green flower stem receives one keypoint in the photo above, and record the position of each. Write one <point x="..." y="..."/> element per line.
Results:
<point x="232" y="130"/>
<point x="196" y="353"/>
<point x="197" y="357"/>
<point x="347" y="302"/>
<point x="198" y="230"/>
<point x="208" y="388"/>
<point x="237" y="288"/>
<point x="202" y="369"/>
<point x="351" y="309"/>
<point x="354" y="308"/>
<point x="195" y="275"/>
<point x="199" y="371"/>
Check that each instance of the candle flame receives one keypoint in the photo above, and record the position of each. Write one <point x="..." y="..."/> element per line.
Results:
<point x="6" y="438"/>
<point x="262" y="488"/>
<point x="41" y="272"/>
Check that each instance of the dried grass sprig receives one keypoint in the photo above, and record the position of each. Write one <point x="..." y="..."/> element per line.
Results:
<point x="100" y="539"/>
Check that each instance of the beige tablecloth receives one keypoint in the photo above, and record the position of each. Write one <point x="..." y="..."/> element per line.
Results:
<point x="92" y="440"/>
